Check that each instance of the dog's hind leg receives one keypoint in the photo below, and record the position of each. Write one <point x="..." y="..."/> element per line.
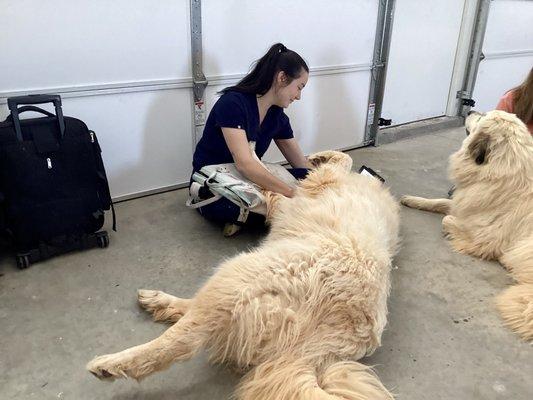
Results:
<point x="178" y="343"/>
<point x="441" y="206"/>
<point x="516" y="308"/>
<point x="516" y="303"/>
<point x="519" y="260"/>
<point x="163" y="307"/>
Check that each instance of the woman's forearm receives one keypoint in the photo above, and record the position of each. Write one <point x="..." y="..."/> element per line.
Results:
<point x="258" y="174"/>
<point x="293" y="153"/>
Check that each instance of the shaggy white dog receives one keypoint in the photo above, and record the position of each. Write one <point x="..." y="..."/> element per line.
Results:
<point x="491" y="212"/>
<point x="294" y="311"/>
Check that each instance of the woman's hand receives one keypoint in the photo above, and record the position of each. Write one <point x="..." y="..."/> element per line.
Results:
<point x="250" y="166"/>
<point x="290" y="193"/>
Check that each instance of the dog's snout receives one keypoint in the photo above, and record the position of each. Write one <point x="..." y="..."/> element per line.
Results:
<point x="471" y="120"/>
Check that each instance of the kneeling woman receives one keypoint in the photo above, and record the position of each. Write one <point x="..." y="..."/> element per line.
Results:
<point x="249" y="116"/>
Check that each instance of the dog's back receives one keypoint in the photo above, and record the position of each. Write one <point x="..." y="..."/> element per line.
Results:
<point x="336" y="203"/>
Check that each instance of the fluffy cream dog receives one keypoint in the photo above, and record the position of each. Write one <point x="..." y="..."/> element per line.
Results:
<point x="292" y="312"/>
<point x="491" y="212"/>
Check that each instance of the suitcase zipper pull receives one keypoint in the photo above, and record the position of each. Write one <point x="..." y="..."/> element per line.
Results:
<point x="49" y="162"/>
<point x="92" y="136"/>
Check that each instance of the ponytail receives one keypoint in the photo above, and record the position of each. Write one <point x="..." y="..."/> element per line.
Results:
<point x="260" y="79"/>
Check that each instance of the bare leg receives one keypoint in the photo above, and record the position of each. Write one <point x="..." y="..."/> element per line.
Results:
<point x="163" y="306"/>
<point x="179" y="343"/>
<point x="441" y="206"/>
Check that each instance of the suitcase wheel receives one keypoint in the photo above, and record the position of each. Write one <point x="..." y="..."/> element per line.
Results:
<point x="23" y="261"/>
<point x="103" y="241"/>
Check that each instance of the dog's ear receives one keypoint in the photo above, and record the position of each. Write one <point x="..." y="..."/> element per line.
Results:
<point x="479" y="147"/>
<point x="317" y="160"/>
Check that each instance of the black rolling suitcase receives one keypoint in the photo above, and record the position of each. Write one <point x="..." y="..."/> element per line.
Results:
<point x="53" y="186"/>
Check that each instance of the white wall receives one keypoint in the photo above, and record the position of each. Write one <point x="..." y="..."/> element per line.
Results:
<point x="110" y="60"/>
<point x="147" y="142"/>
<point x="123" y="66"/>
<point x="508" y="48"/>
<point x="62" y="43"/>
<point x="422" y="54"/>
<point x="336" y="38"/>
<point x="332" y="33"/>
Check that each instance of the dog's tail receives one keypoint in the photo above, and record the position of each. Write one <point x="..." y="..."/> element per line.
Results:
<point x="441" y="206"/>
<point x="516" y="307"/>
<point x="300" y="379"/>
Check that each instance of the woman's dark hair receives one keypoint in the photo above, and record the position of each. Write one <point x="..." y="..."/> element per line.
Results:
<point x="260" y="79"/>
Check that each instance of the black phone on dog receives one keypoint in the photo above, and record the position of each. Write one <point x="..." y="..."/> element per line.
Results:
<point x="364" y="170"/>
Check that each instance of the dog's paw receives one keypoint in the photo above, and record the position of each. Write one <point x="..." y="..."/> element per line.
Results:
<point x="106" y="368"/>
<point x="151" y="300"/>
<point x="404" y="199"/>
<point x="163" y="306"/>
<point x="130" y="363"/>
<point x="448" y="227"/>
<point x="408" y="200"/>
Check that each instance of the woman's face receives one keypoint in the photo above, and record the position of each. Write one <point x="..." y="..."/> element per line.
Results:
<point x="287" y="93"/>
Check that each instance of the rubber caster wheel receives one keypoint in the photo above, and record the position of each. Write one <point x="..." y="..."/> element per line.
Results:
<point x="103" y="241"/>
<point x="23" y="261"/>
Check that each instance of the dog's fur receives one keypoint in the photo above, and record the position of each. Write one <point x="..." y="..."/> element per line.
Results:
<point x="292" y="312"/>
<point x="490" y="214"/>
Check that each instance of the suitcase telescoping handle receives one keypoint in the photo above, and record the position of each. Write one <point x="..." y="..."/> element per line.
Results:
<point x="30" y="108"/>
<point x="14" y="102"/>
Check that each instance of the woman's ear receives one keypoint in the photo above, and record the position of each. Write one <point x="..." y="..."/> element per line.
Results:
<point x="281" y="79"/>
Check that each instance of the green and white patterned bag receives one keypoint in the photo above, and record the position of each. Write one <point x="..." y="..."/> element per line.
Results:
<point x="224" y="180"/>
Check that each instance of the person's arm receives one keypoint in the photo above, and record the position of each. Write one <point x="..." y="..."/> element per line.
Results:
<point x="293" y="153"/>
<point x="506" y="103"/>
<point x="247" y="165"/>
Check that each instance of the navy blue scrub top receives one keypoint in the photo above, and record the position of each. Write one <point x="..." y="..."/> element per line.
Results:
<point x="239" y="110"/>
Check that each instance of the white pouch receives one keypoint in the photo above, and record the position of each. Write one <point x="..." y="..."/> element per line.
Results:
<point x="224" y="180"/>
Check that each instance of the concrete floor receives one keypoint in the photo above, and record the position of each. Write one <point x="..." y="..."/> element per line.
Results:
<point x="444" y="339"/>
